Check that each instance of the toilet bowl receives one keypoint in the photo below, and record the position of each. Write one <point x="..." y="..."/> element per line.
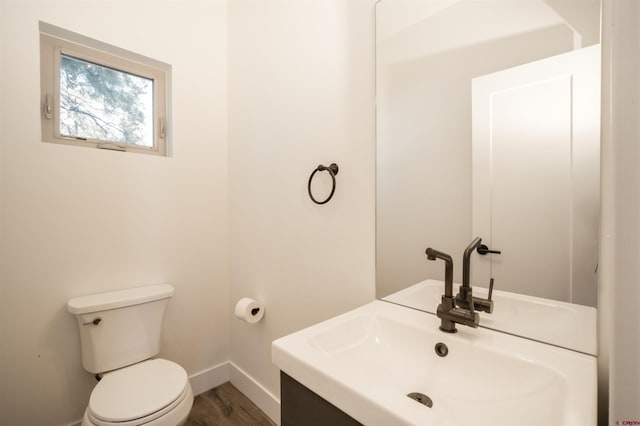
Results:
<point x="156" y="392"/>
<point x="119" y="336"/>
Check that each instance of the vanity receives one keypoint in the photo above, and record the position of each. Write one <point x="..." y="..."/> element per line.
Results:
<point x="385" y="364"/>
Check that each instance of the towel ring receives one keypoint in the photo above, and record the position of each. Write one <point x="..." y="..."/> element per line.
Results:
<point x="333" y="171"/>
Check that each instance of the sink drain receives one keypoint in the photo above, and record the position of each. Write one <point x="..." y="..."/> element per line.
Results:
<point x="441" y="349"/>
<point x="421" y="398"/>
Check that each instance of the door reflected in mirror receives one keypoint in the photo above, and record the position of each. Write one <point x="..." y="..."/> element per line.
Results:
<point x="488" y="125"/>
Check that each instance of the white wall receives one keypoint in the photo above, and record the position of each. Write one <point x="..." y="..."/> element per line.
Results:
<point x="74" y="221"/>
<point x="619" y="297"/>
<point x="301" y="87"/>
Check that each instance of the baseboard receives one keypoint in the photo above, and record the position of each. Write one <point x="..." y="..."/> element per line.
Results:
<point x="209" y="378"/>
<point x="258" y="394"/>
<point x="229" y="372"/>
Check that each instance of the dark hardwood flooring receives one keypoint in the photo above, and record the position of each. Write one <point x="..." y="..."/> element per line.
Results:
<point x="226" y="406"/>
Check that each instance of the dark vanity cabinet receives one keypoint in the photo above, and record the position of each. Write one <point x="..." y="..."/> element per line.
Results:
<point x="300" y="406"/>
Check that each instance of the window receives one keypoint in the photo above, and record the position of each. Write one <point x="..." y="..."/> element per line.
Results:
<point x="100" y="96"/>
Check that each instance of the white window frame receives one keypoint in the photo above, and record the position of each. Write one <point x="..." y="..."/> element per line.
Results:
<point x="55" y="41"/>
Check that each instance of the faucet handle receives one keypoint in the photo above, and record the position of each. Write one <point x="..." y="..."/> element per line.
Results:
<point x="483" y="249"/>
<point x="486" y="305"/>
<point x="490" y="289"/>
<point x="483" y="305"/>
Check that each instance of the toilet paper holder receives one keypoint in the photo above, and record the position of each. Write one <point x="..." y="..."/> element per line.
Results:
<point x="249" y="310"/>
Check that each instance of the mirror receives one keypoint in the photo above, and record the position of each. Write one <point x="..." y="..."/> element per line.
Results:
<point x="488" y="125"/>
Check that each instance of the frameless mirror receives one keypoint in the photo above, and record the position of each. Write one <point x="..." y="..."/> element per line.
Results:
<point x="488" y="125"/>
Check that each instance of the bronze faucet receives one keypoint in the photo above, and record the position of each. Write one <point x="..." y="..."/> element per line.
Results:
<point x="447" y="312"/>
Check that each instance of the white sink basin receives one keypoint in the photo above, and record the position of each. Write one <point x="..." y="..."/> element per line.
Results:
<point x="562" y="324"/>
<point x="366" y="361"/>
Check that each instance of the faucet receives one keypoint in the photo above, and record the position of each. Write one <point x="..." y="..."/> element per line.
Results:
<point x="465" y="299"/>
<point x="447" y="312"/>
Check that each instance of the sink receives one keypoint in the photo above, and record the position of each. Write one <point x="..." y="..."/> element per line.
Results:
<point x="559" y="323"/>
<point x="368" y="360"/>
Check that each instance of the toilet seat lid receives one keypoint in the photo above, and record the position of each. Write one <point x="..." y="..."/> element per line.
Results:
<point x="137" y="391"/>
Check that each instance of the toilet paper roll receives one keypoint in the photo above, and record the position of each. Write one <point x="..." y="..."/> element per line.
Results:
<point x="249" y="310"/>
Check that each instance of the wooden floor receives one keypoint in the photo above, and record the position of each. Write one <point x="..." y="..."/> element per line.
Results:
<point x="226" y="406"/>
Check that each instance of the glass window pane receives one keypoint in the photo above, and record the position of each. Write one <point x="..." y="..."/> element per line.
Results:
<point x="105" y="104"/>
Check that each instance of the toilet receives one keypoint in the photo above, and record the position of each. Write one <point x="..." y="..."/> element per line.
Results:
<point x="119" y="334"/>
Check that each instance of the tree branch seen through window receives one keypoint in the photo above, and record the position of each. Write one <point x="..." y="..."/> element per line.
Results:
<point x="102" y="103"/>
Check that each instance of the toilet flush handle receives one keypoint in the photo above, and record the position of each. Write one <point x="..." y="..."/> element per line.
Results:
<point x="95" y="321"/>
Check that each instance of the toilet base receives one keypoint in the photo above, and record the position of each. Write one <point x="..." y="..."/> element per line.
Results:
<point x="176" y="417"/>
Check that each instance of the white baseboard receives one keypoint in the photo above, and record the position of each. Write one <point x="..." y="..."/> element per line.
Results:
<point x="209" y="378"/>
<point x="229" y="372"/>
<point x="258" y="394"/>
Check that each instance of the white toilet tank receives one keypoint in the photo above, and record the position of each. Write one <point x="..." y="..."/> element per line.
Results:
<point x="120" y="328"/>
